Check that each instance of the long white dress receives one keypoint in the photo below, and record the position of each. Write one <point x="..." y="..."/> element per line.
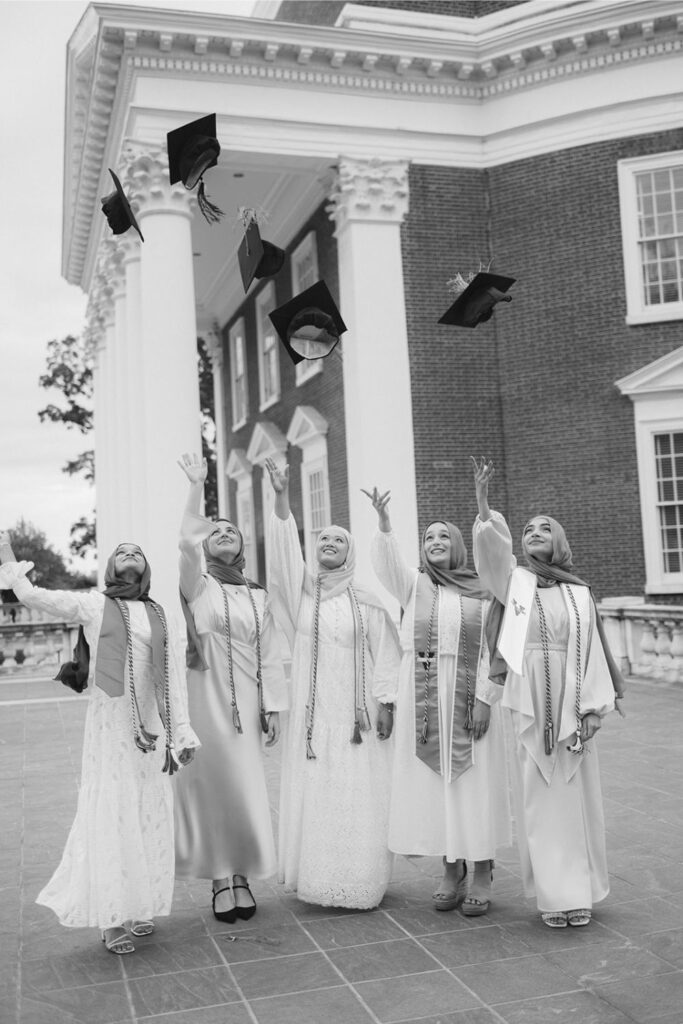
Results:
<point x="431" y="813"/>
<point x="557" y="797"/>
<point x="334" y="810"/>
<point x="118" y="862"/>
<point x="223" y="822"/>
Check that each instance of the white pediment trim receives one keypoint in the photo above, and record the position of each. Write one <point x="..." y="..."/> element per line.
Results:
<point x="238" y="465"/>
<point x="664" y="375"/>
<point x="307" y="425"/>
<point x="267" y="441"/>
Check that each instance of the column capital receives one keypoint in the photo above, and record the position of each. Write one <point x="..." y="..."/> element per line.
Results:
<point x="213" y="343"/>
<point x="145" y="180"/>
<point x="371" y="190"/>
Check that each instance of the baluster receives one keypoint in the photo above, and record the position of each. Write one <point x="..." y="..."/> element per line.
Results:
<point x="647" y="649"/>
<point x="676" y="668"/>
<point x="662" y="649"/>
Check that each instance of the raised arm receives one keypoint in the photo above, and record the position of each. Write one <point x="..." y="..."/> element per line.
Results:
<point x="279" y="479"/>
<point x="193" y="527"/>
<point x="385" y="554"/>
<point x="491" y="540"/>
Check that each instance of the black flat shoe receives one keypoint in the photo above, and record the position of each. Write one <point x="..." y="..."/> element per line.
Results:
<point x="228" y="916"/>
<point x="244" y="913"/>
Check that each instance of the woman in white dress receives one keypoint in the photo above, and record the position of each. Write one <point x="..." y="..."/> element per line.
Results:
<point x="334" y="805"/>
<point x="449" y="789"/>
<point x="236" y="689"/>
<point x="561" y="682"/>
<point x="118" y="863"/>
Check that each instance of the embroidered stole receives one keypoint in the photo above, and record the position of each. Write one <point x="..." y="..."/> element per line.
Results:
<point x="518" y="604"/>
<point x="465" y="644"/>
<point x="110" y="664"/>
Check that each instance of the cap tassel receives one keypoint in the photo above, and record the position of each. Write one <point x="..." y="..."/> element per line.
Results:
<point x="236" y="718"/>
<point x="171" y="762"/>
<point x="210" y="211"/>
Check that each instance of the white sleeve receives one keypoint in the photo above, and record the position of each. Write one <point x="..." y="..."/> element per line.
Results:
<point x="492" y="551"/>
<point x="73" y="605"/>
<point x="193" y="530"/>
<point x="183" y="733"/>
<point x="386" y="655"/>
<point x="391" y="569"/>
<point x="286" y="561"/>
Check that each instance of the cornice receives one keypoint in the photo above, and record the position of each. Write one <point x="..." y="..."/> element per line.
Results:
<point x="467" y="60"/>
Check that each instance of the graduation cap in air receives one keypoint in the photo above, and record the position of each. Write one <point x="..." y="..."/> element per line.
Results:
<point x="117" y="210"/>
<point x="309" y="325"/>
<point x="477" y="298"/>
<point x="192" y="150"/>
<point x="257" y="258"/>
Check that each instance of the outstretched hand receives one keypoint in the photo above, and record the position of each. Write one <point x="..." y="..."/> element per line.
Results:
<point x="483" y="472"/>
<point x="379" y="503"/>
<point x="279" y="478"/>
<point x="194" y="467"/>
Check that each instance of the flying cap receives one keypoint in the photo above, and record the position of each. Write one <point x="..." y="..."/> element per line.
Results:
<point x="258" y="258"/>
<point x="476" y="302"/>
<point x="192" y="150"/>
<point x="309" y="325"/>
<point x="117" y="210"/>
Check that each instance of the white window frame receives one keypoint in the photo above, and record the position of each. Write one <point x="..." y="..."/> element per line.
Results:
<point x="239" y="469"/>
<point x="637" y="312"/>
<point x="267" y="335"/>
<point x="308" y="431"/>
<point x="305" y="250"/>
<point x="237" y="341"/>
<point x="267" y="441"/>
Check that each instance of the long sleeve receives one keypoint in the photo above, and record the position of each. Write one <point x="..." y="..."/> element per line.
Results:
<point x="193" y="530"/>
<point x="183" y="733"/>
<point x="391" y="569"/>
<point x="492" y="551"/>
<point x="486" y="690"/>
<point x="286" y="573"/>
<point x="275" y="691"/>
<point x="386" y="655"/>
<point x="72" y="605"/>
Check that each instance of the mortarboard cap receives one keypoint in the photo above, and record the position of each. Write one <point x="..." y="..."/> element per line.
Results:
<point x="309" y="325"/>
<point x="258" y="258"/>
<point x="192" y="150"/>
<point x="476" y="303"/>
<point x="117" y="210"/>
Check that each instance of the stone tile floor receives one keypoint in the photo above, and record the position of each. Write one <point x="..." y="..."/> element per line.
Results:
<point x="298" y="964"/>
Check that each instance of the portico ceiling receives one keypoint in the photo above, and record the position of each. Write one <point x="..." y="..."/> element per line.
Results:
<point x="291" y="99"/>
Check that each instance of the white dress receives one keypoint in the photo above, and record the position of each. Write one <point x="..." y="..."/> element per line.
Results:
<point x="434" y="814"/>
<point x="223" y="823"/>
<point x="118" y="863"/>
<point x="334" y="810"/>
<point x="557" y="797"/>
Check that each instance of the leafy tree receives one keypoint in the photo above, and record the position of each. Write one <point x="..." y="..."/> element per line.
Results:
<point x="207" y="413"/>
<point x="30" y="544"/>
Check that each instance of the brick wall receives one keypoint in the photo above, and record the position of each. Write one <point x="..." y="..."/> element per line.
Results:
<point x="326" y="12"/>
<point x="325" y="391"/>
<point x="535" y="386"/>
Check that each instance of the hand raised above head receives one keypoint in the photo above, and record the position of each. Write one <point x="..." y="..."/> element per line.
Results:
<point x="379" y="501"/>
<point x="279" y="478"/>
<point x="194" y="467"/>
<point x="482" y="468"/>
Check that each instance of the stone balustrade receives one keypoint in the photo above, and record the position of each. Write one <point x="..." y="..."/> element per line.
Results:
<point x="646" y="639"/>
<point x="29" y="637"/>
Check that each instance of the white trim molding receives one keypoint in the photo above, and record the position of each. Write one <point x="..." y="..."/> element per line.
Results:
<point x="308" y="431"/>
<point x="656" y="391"/>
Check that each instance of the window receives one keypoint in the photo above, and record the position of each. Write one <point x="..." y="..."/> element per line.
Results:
<point x="238" y="376"/>
<point x="245" y="521"/>
<point x="651" y="198"/>
<point x="304" y="274"/>
<point x="316" y="495"/>
<point x="669" y="473"/>
<point x="268" y="352"/>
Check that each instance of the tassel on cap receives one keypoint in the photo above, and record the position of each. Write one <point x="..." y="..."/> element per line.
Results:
<point x="210" y="211"/>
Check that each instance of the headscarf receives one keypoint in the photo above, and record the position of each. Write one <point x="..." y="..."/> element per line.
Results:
<point x="335" y="581"/>
<point x="116" y="586"/>
<point x="558" y="570"/>
<point x="457" y="574"/>
<point x="224" y="570"/>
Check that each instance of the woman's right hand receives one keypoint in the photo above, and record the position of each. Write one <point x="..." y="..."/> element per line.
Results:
<point x="279" y="478"/>
<point x="195" y="468"/>
<point x="379" y="503"/>
<point x="483" y="471"/>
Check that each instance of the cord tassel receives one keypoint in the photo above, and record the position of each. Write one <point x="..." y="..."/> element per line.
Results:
<point x="264" y="722"/>
<point x="171" y="762"/>
<point x="549" y="738"/>
<point x="356" y="737"/>
<point x="145" y="741"/>
<point x="236" y="718"/>
<point x="211" y="213"/>
<point x="363" y="719"/>
<point x="423" y="734"/>
<point x="310" y="756"/>
<point x="469" y="722"/>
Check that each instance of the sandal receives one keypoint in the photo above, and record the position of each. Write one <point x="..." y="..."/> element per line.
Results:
<point x="555" y="919"/>
<point x="139" y="928"/>
<point x="473" y="905"/>
<point x="452" y="900"/>
<point x="228" y="916"/>
<point x="244" y="913"/>
<point x="119" y="944"/>
<point x="578" y="918"/>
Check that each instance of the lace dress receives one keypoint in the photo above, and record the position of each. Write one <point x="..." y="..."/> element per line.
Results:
<point x="118" y="863"/>
<point x="334" y="810"/>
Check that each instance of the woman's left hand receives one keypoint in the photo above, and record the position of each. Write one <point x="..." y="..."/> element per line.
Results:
<point x="273" y="728"/>
<point x="385" y="722"/>
<point x="186" y="755"/>
<point x="481" y="716"/>
<point x="590" y="723"/>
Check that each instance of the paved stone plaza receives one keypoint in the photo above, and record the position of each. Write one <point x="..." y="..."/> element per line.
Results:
<point x="297" y="964"/>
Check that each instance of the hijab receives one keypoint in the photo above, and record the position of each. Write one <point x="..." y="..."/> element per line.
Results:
<point x="116" y="586"/>
<point x="227" y="568"/>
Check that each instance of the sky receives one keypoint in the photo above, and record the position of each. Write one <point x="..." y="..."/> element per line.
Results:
<point x="36" y="303"/>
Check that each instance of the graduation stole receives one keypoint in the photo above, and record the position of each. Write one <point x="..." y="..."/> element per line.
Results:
<point x="427" y="647"/>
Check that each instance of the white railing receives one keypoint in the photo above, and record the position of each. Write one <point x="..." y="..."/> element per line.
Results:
<point x="28" y="637"/>
<point x="646" y="639"/>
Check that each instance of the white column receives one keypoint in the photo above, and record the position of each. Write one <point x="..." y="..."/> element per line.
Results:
<point x="213" y="344"/>
<point x="368" y="206"/>
<point x="167" y="363"/>
<point x="135" y="438"/>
